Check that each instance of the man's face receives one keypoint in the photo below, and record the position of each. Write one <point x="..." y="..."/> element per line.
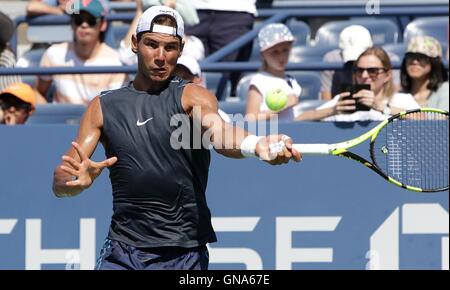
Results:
<point x="87" y="28"/>
<point x="157" y="55"/>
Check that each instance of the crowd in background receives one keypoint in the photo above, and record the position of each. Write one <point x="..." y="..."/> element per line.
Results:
<point x="422" y="80"/>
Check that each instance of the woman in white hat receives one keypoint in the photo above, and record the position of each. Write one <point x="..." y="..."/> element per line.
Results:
<point x="275" y="41"/>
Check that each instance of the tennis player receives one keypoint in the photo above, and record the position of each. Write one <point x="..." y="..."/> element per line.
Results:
<point x="161" y="219"/>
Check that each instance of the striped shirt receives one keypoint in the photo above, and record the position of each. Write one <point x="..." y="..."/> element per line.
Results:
<point x="81" y="88"/>
<point x="8" y="60"/>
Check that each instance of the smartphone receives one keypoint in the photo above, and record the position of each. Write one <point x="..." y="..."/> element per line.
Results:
<point x="353" y="89"/>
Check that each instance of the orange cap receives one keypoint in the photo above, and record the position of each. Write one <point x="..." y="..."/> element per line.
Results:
<point x="23" y="92"/>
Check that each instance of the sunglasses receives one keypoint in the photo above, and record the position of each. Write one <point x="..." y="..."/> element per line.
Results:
<point x="79" y="19"/>
<point x="421" y="58"/>
<point x="373" y="72"/>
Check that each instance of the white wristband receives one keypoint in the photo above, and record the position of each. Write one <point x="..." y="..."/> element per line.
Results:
<point x="248" y="146"/>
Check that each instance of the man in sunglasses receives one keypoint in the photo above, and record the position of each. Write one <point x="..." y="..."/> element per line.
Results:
<point x="17" y="103"/>
<point x="87" y="49"/>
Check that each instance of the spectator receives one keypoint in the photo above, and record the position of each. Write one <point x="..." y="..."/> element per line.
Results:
<point x="87" y="49"/>
<point x="373" y="67"/>
<point x="17" y="103"/>
<point x="192" y="45"/>
<point x="222" y="22"/>
<point x="7" y="57"/>
<point x="353" y="40"/>
<point x="275" y="41"/>
<point x="188" y="69"/>
<point x="423" y="74"/>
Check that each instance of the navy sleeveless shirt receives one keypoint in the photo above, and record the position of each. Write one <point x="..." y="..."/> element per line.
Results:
<point x="158" y="192"/>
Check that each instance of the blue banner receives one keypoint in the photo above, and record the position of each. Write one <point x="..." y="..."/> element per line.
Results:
<point x="324" y="213"/>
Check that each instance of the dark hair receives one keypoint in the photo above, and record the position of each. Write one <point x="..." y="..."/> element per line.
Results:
<point x="437" y="75"/>
<point x="166" y="20"/>
<point x="7" y="100"/>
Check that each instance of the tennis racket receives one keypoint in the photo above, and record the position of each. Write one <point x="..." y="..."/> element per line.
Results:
<point x="410" y="150"/>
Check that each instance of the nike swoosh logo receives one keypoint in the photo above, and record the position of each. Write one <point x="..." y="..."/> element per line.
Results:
<point x="139" y="124"/>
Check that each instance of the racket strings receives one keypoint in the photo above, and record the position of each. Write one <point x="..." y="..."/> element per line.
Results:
<point x="413" y="150"/>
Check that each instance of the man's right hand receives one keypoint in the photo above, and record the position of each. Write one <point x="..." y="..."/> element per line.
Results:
<point x="84" y="171"/>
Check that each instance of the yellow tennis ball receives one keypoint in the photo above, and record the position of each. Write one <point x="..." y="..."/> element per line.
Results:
<point x="276" y="100"/>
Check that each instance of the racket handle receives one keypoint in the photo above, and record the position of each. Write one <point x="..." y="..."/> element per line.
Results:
<point x="313" y="149"/>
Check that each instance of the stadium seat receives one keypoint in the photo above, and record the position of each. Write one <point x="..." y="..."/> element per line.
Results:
<point x="57" y="114"/>
<point x="383" y="31"/>
<point x="300" y="30"/>
<point x="31" y="58"/>
<point x="256" y="54"/>
<point x="119" y="32"/>
<point x="436" y="27"/>
<point x="49" y="33"/>
<point x="310" y="83"/>
<point x="309" y="54"/>
<point x="398" y="49"/>
<point x="213" y="81"/>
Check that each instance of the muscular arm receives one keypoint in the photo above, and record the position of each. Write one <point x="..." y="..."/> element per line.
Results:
<point x="202" y="107"/>
<point x="227" y="139"/>
<point x="87" y="138"/>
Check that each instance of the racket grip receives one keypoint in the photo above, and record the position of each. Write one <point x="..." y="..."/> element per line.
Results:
<point x="313" y="149"/>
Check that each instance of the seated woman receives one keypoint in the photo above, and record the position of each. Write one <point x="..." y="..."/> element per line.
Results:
<point x="423" y="74"/>
<point x="373" y="68"/>
<point x="275" y="41"/>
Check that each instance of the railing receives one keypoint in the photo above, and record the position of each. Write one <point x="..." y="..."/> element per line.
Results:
<point x="278" y="15"/>
<point x="58" y="20"/>
<point x="274" y="15"/>
<point x="211" y="63"/>
<point x="206" y="67"/>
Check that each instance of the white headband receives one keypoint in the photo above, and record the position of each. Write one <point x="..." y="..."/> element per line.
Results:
<point x="164" y="29"/>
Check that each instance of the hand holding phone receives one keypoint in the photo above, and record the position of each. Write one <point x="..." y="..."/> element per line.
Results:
<point x="362" y="103"/>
